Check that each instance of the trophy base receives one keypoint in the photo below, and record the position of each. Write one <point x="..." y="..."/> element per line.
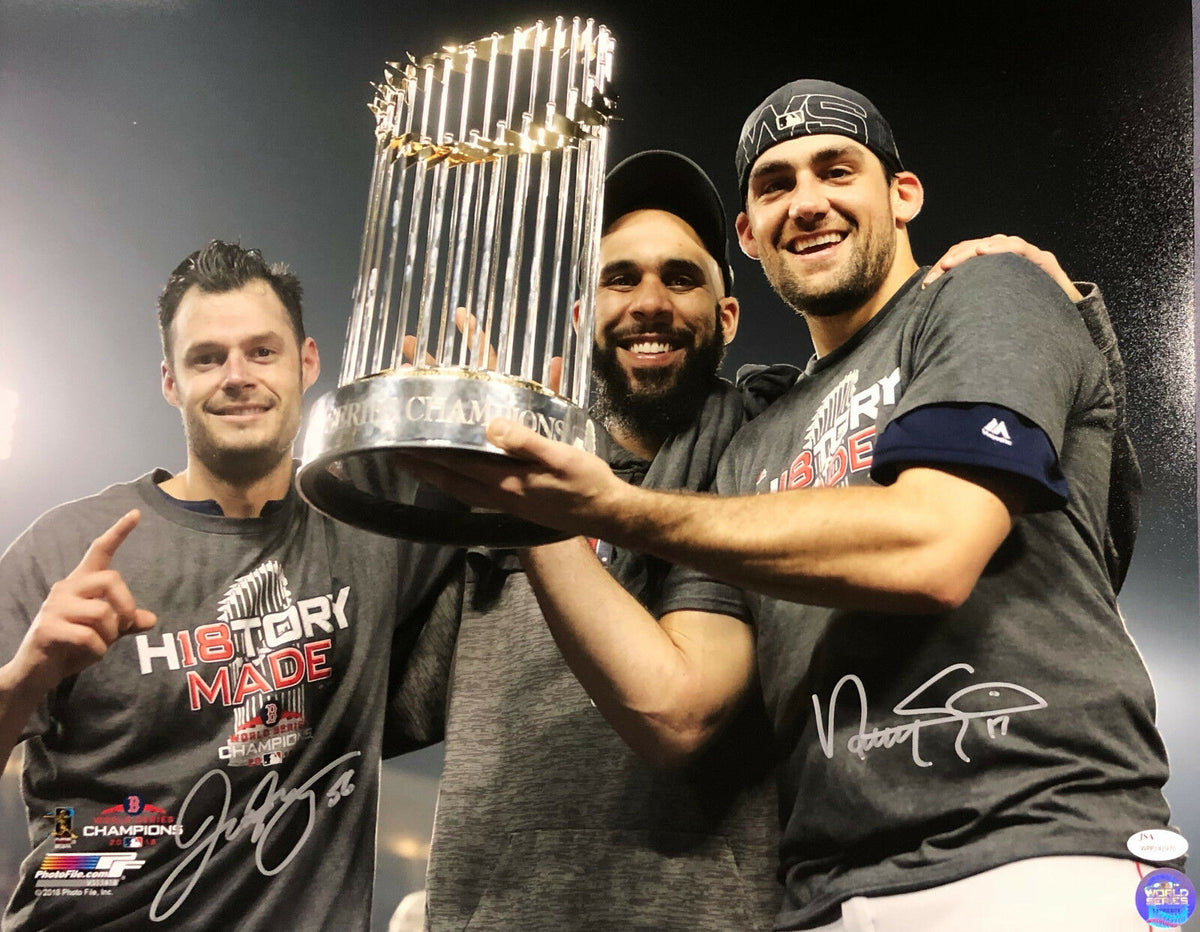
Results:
<point x="348" y="471"/>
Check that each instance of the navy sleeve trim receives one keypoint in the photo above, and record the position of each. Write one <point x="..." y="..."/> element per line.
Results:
<point x="983" y="435"/>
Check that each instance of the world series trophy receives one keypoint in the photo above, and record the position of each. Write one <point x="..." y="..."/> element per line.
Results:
<point x="482" y="229"/>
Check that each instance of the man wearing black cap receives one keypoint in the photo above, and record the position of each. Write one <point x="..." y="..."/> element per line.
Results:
<point x="545" y="818"/>
<point x="966" y="729"/>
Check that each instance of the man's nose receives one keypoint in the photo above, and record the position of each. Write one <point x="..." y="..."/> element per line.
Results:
<point x="237" y="371"/>
<point x="651" y="297"/>
<point x="808" y="199"/>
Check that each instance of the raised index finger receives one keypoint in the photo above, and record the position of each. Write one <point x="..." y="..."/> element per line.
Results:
<point x="99" y="555"/>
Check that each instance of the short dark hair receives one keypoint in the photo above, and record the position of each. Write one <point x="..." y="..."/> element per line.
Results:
<point x="221" y="267"/>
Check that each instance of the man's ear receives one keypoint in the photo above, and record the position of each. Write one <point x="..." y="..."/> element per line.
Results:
<point x="730" y="310"/>
<point x="168" y="385"/>
<point x="744" y="235"/>
<point x="310" y="363"/>
<point x="575" y="317"/>
<point x="908" y="196"/>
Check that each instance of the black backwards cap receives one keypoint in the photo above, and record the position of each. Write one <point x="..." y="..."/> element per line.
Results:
<point x="658" y="179"/>
<point x="809" y="108"/>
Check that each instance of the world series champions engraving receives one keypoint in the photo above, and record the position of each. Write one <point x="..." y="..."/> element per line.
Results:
<point x="482" y="231"/>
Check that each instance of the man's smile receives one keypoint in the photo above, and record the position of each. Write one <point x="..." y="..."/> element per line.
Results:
<point x="241" y="411"/>
<point x="816" y="244"/>
<point x="650" y="349"/>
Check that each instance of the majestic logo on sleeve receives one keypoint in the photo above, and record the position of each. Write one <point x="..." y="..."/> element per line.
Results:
<point x="997" y="430"/>
<point x="256" y="657"/>
<point x="840" y="438"/>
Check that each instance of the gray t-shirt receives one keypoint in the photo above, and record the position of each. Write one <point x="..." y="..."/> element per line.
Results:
<point x="922" y="749"/>
<point x="545" y="819"/>
<point x="222" y="769"/>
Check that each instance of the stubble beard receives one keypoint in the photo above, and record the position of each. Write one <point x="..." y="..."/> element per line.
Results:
<point x="662" y="402"/>
<point x="864" y="275"/>
<point x="235" y="464"/>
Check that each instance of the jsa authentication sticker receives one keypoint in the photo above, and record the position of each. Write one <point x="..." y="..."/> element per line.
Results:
<point x="1157" y="844"/>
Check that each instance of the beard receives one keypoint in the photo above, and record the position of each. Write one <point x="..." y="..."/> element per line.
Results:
<point x="657" y="403"/>
<point x="865" y="272"/>
<point x="243" y="461"/>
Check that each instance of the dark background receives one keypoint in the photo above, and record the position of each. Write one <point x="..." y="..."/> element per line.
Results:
<point x="132" y="131"/>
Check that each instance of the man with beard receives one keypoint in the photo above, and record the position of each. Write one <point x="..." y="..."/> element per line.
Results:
<point x="671" y="369"/>
<point x="545" y="819"/>
<point x="195" y="661"/>
<point x="964" y="725"/>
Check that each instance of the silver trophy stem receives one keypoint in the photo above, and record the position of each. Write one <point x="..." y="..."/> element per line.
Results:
<point x="540" y="224"/>
<point x="397" y="182"/>
<point x="536" y="259"/>
<point x="470" y="205"/>
<point x="516" y="255"/>
<point x="560" y="214"/>
<point x="564" y="206"/>
<point x="463" y="188"/>
<point x="491" y="250"/>
<point x="433" y="241"/>
<point x="354" y="328"/>
<point x="420" y="170"/>
<point x="594" y="214"/>
<point x="500" y="305"/>
<point x="473" y="309"/>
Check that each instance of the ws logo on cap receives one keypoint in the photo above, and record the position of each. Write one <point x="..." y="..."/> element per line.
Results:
<point x="811" y="108"/>
<point x="824" y="113"/>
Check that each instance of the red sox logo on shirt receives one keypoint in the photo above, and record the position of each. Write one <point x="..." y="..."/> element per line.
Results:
<point x="135" y="823"/>
<point x="840" y="438"/>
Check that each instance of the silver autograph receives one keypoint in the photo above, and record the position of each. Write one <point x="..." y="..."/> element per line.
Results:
<point x="265" y="809"/>
<point x="980" y="701"/>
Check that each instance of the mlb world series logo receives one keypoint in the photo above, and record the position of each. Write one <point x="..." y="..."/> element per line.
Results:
<point x="824" y="113"/>
<point x="1166" y="898"/>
